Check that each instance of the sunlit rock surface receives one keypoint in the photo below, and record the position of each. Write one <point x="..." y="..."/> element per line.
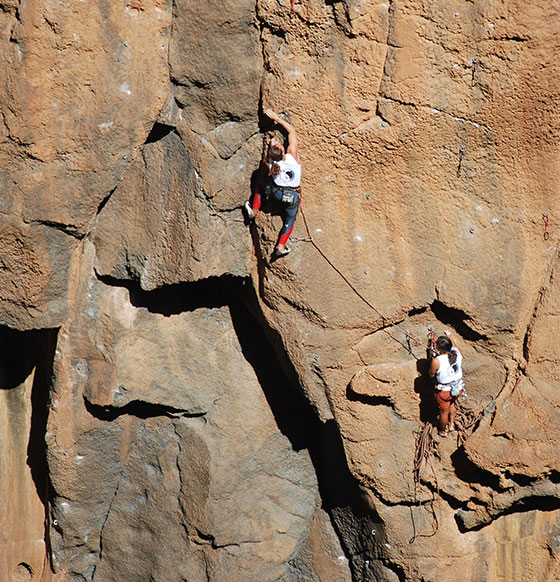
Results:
<point x="214" y="415"/>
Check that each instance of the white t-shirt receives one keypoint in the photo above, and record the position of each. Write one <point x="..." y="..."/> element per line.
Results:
<point x="447" y="373"/>
<point x="290" y="173"/>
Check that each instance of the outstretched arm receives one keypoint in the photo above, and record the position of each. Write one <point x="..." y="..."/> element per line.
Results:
<point x="453" y="344"/>
<point x="292" y="135"/>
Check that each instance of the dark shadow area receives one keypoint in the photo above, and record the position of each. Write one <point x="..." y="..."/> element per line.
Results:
<point x="367" y="399"/>
<point x="554" y="477"/>
<point x="293" y="414"/>
<point x="45" y="346"/>
<point x="103" y="202"/>
<point x="137" y="408"/>
<point x="468" y="472"/>
<point x="417" y="311"/>
<point x="25" y="354"/>
<point x="358" y="525"/>
<point x="534" y="503"/>
<point x="180" y="297"/>
<point x="158" y="131"/>
<point x="456" y="318"/>
<point x="522" y="480"/>
<point x="353" y="518"/>
<point x="19" y="357"/>
<point x="424" y="387"/>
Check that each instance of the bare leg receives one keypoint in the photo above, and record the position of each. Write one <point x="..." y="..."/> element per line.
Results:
<point x="443" y="419"/>
<point x="452" y="414"/>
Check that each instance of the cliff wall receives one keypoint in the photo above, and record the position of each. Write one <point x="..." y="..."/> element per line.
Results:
<point x="175" y="405"/>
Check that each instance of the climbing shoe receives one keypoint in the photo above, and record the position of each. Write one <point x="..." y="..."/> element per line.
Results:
<point x="280" y="253"/>
<point x="249" y="211"/>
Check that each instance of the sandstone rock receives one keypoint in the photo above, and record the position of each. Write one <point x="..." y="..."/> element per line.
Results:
<point x="24" y="367"/>
<point x="321" y="558"/>
<point x="82" y="87"/>
<point x="159" y="228"/>
<point x="216" y="63"/>
<point x="177" y="467"/>
<point x="428" y="135"/>
<point x="85" y="86"/>
<point x="35" y="274"/>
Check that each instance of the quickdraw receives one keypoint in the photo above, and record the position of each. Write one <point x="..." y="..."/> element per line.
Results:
<point x="291" y="6"/>
<point x="475" y="65"/>
<point x="431" y="351"/>
<point x="461" y="158"/>
<point x="545" y="218"/>
<point x="298" y="239"/>
<point x="408" y="338"/>
<point x="407" y="334"/>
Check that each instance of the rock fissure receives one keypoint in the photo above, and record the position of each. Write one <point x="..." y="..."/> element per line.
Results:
<point x="549" y="278"/>
<point x="139" y="409"/>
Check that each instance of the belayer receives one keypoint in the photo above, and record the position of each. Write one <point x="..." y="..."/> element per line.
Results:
<point x="446" y="370"/>
<point x="282" y="184"/>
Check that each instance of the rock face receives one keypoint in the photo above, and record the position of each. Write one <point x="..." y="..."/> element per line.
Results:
<point x="177" y="406"/>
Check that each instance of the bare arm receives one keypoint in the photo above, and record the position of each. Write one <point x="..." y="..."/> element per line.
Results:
<point x="434" y="367"/>
<point x="292" y="135"/>
<point x="453" y="344"/>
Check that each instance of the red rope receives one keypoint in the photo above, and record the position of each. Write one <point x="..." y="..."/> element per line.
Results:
<point x="407" y="334"/>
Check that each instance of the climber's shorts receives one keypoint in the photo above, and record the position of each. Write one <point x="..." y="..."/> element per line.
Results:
<point x="444" y="399"/>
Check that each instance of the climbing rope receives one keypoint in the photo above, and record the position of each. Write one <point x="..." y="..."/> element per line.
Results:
<point x="349" y="283"/>
<point x="424" y="448"/>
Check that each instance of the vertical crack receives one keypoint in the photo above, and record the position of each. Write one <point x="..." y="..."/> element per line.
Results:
<point x="538" y="303"/>
<point x="113" y="498"/>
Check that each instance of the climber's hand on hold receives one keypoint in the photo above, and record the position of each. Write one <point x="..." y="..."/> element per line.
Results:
<point x="274" y="116"/>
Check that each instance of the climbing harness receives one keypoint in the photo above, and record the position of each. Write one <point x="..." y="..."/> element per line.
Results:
<point x="288" y="193"/>
<point x="545" y="218"/>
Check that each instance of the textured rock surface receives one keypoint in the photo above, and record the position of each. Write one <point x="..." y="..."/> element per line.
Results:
<point x="194" y="476"/>
<point x="25" y="364"/>
<point x="188" y="439"/>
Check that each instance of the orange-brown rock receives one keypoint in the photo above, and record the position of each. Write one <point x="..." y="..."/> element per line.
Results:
<point x="178" y="447"/>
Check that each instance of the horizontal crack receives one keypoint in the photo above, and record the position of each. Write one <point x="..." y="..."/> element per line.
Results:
<point x="139" y="409"/>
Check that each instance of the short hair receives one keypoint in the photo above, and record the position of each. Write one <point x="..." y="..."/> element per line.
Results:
<point x="276" y="153"/>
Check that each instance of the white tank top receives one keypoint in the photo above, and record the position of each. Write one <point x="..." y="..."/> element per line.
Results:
<point x="446" y="373"/>
<point x="290" y="173"/>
